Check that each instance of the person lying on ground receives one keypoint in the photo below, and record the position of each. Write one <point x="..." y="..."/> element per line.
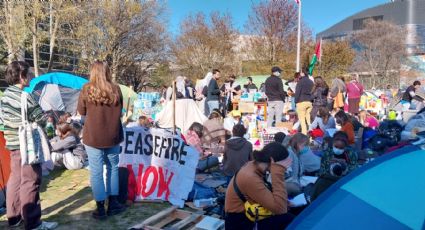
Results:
<point x="303" y="161"/>
<point x="67" y="149"/>
<point x="249" y="185"/>
<point x="237" y="151"/>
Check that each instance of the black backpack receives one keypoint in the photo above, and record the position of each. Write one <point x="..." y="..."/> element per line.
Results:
<point x="205" y="91"/>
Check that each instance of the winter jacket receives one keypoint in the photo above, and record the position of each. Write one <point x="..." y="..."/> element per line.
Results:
<point x="274" y="89"/>
<point x="237" y="152"/>
<point x="69" y="144"/>
<point x="320" y="96"/>
<point x="354" y="90"/>
<point x="303" y="90"/>
<point x="213" y="93"/>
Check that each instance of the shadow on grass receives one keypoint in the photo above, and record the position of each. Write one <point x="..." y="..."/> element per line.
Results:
<point x="72" y="203"/>
<point x="52" y="176"/>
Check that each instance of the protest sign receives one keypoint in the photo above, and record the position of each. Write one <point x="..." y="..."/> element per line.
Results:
<point x="161" y="163"/>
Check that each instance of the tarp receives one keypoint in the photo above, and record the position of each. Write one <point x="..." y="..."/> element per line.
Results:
<point x="187" y="112"/>
<point x="387" y="193"/>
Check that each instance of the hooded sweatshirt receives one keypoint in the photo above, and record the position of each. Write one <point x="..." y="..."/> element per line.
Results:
<point x="237" y="152"/>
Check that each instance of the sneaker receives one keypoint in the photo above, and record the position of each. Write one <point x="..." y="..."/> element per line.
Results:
<point x="46" y="225"/>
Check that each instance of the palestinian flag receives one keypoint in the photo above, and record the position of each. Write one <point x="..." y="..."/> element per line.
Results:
<point x="316" y="57"/>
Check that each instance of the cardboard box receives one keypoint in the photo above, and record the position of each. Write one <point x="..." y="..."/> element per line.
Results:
<point x="247" y="107"/>
<point x="288" y="125"/>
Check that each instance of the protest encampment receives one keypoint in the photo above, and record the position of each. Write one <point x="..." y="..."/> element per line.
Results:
<point x="212" y="115"/>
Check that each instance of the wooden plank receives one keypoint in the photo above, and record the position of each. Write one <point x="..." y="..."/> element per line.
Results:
<point x="184" y="222"/>
<point x="165" y="221"/>
<point x="155" y="218"/>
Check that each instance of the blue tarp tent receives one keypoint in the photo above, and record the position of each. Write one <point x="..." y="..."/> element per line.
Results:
<point x="57" y="91"/>
<point x="388" y="193"/>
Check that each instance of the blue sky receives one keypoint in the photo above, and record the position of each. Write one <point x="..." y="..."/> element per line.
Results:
<point x="318" y="14"/>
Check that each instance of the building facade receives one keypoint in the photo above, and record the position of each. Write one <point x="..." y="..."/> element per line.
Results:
<point x="407" y="13"/>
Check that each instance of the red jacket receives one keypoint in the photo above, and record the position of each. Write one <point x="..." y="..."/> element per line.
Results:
<point x="354" y="89"/>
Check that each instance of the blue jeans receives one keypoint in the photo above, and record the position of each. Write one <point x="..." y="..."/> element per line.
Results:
<point x="213" y="105"/>
<point x="98" y="157"/>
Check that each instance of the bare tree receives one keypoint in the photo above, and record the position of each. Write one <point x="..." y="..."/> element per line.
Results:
<point x="203" y="45"/>
<point x="381" y="50"/>
<point x="273" y="28"/>
<point x="12" y="29"/>
<point x="122" y="32"/>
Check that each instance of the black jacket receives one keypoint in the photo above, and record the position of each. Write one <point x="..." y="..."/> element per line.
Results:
<point x="237" y="152"/>
<point x="274" y="89"/>
<point x="213" y="93"/>
<point x="303" y="90"/>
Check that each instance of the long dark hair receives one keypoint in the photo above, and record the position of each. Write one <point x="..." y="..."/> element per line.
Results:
<point x="324" y="114"/>
<point x="320" y="83"/>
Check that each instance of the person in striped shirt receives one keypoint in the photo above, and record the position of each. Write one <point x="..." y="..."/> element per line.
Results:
<point x="23" y="186"/>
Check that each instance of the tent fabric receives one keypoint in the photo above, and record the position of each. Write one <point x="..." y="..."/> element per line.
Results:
<point x="128" y="95"/>
<point x="186" y="113"/>
<point x="57" y="78"/>
<point x="369" y="182"/>
<point x="4" y="162"/>
<point x="50" y="98"/>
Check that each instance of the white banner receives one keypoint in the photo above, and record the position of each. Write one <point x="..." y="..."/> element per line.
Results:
<point x="164" y="165"/>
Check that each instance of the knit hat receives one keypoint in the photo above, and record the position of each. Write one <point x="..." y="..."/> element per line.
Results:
<point x="276" y="69"/>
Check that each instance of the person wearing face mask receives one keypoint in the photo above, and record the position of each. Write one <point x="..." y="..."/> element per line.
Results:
<point x="275" y="96"/>
<point x="251" y="182"/>
<point x="304" y="161"/>
<point x="338" y="160"/>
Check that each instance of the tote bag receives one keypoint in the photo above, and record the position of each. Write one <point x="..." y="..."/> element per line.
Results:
<point x="339" y="100"/>
<point x="32" y="140"/>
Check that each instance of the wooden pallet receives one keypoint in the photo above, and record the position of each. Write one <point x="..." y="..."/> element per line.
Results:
<point x="171" y="219"/>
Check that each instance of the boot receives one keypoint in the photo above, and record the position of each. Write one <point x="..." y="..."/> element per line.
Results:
<point x="114" y="207"/>
<point x="99" y="213"/>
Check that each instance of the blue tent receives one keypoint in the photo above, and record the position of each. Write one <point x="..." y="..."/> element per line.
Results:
<point x="388" y="193"/>
<point x="57" y="91"/>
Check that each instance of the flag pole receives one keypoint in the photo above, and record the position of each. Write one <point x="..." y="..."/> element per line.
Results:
<point x="299" y="36"/>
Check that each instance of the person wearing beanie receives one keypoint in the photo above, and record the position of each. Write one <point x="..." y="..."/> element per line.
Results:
<point x="275" y="96"/>
<point x="250" y="181"/>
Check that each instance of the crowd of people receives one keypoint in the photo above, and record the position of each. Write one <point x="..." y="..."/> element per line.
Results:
<point x="260" y="182"/>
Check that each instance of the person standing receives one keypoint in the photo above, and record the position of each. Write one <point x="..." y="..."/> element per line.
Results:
<point x="250" y="85"/>
<point x="337" y="93"/>
<point x="303" y="102"/>
<point x="213" y="94"/>
<point x="320" y="95"/>
<point x="409" y="95"/>
<point x="23" y="186"/>
<point x="354" y="92"/>
<point x="101" y="103"/>
<point x="231" y="89"/>
<point x="275" y="95"/>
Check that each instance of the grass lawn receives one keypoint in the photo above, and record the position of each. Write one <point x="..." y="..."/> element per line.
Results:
<point x="66" y="198"/>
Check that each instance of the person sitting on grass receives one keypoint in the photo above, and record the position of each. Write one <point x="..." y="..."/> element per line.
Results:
<point x="343" y="120"/>
<point x="303" y="161"/>
<point x="338" y="160"/>
<point x="237" y="152"/>
<point x="67" y="149"/>
<point x="193" y="137"/>
<point x="249" y="185"/>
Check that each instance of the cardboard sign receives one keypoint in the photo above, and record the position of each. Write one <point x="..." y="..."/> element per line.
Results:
<point x="162" y="164"/>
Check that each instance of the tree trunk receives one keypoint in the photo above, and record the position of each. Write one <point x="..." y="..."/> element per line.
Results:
<point x="53" y="32"/>
<point x="34" y="46"/>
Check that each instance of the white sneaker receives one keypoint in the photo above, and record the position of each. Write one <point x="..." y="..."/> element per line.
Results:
<point x="46" y="225"/>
